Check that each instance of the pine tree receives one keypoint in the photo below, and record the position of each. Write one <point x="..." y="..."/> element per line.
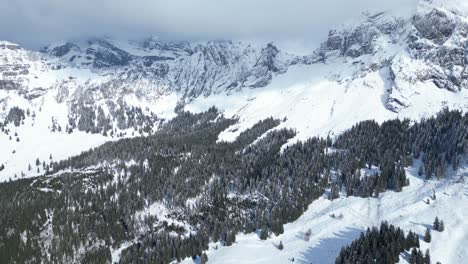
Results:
<point x="416" y="240"/>
<point x="427" y="236"/>
<point x="307" y="235"/>
<point x="436" y="224"/>
<point x="230" y="238"/>
<point x="409" y="241"/>
<point x="216" y="232"/>
<point x="280" y="228"/>
<point x="334" y="193"/>
<point x="427" y="257"/>
<point x="204" y="258"/>
<point x="379" y="246"/>
<point x="421" y="170"/>
<point x="414" y="256"/>
<point x="420" y="258"/>
<point x="280" y="246"/>
<point x="441" y="226"/>
<point x="264" y="233"/>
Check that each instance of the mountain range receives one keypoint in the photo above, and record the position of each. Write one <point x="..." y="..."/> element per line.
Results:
<point x="71" y="96"/>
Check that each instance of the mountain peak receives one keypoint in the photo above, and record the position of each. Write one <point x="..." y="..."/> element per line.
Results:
<point x="9" y="45"/>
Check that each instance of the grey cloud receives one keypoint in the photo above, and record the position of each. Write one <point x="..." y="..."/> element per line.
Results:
<point x="37" y="22"/>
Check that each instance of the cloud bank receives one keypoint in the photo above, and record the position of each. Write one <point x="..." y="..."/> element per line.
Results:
<point x="38" y="22"/>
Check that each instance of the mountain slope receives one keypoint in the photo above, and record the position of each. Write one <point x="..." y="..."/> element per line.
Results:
<point x="383" y="66"/>
<point x="164" y="197"/>
<point x="406" y="210"/>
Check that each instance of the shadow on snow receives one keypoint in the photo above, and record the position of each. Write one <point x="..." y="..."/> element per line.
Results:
<point x="328" y="249"/>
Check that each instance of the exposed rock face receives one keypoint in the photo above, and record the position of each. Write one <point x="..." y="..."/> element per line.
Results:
<point x="431" y="47"/>
<point x="9" y="85"/>
<point x="435" y="26"/>
<point x="15" y="67"/>
<point x="440" y="38"/>
<point x="94" y="77"/>
<point x="62" y="50"/>
<point x="192" y="70"/>
<point x="7" y="45"/>
<point x="360" y="41"/>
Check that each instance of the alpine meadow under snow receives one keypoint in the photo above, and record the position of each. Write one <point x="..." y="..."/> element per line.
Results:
<point x="150" y="151"/>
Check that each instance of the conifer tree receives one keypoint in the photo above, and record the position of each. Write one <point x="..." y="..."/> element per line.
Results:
<point x="307" y="235"/>
<point x="441" y="226"/>
<point x="436" y="224"/>
<point x="427" y="257"/>
<point x="264" y="233"/>
<point x="204" y="258"/>
<point x="427" y="236"/>
<point x="280" y="245"/>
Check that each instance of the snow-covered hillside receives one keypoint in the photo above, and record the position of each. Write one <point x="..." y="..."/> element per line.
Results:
<point x="81" y="94"/>
<point x="407" y="209"/>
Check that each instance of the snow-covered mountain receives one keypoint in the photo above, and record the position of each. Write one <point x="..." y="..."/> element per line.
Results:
<point x="382" y="66"/>
<point x="118" y="201"/>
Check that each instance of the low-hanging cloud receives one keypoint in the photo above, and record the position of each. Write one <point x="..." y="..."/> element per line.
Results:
<point x="37" y="22"/>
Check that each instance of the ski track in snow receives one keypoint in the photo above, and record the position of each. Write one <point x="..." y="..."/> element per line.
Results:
<point x="405" y="209"/>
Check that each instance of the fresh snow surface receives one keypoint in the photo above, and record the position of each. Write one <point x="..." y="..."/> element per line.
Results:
<point x="36" y="141"/>
<point x="325" y="99"/>
<point x="457" y="6"/>
<point x="406" y="209"/>
<point x="162" y="212"/>
<point x="115" y="253"/>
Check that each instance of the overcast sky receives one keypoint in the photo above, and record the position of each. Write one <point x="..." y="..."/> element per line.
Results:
<point x="35" y="23"/>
